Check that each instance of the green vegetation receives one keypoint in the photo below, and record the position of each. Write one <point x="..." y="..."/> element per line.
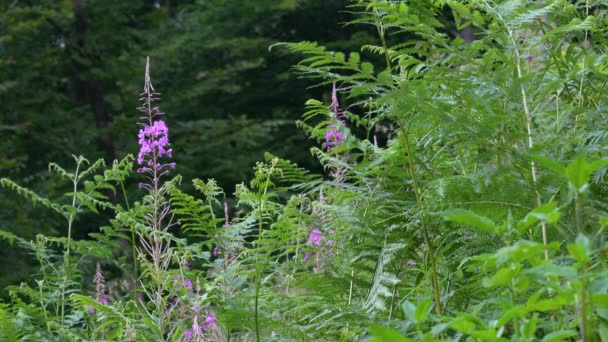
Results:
<point x="462" y="195"/>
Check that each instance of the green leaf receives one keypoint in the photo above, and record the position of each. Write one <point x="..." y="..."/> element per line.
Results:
<point x="551" y="164"/>
<point x="603" y="331"/>
<point x="579" y="171"/>
<point x="464" y="325"/>
<point x="459" y="215"/>
<point x="487" y="335"/>
<point x="8" y="236"/>
<point x="548" y="304"/>
<point x="600" y="300"/>
<point x="354" y="59"/>
<point x="422" y="310"/>
<point x="575" y="25"/>
<point x="580" y="250"/>
<point x="384" y="334"/>
<point x="548" y="212"/>
<point x="517" y="311"/>
<point x="550" y="270"/>
<point x="409" y="309"/>
<point x="503" y="277"/>
<point x="560" y="335"/>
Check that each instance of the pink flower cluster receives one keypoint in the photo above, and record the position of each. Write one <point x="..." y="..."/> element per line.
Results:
<point x="202" y="331"/>
<point x="154" y="143"/>
<point x="100" y="289"/>
<point x="186" y="283"/>
<point x="316" y="239"/>
<point x="153" y="137"/>
<point x="333" y="136"/>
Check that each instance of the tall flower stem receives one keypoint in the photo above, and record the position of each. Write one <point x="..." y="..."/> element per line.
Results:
<point x="154" y="144"/>
<point x="425" y="235"/>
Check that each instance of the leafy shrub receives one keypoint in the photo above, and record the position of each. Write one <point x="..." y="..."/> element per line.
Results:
<point x="463" y="200"/>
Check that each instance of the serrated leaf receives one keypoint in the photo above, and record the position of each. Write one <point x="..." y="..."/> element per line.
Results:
<point x="470" y="218"/>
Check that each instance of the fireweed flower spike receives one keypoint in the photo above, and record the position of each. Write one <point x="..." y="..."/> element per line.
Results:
<point x="227" y="223"/>
<point x="335" y="105"/>
<point x="315" y="237"/>
<point x="154" y="149"/>
<point x="100" y="288"/>
<point x="321" y="245"/>
<point x="153" y="136"/>
<point x="207" y="330"/>
<point x="333" y="136"/>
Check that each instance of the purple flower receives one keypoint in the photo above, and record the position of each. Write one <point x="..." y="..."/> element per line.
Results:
<point x="315" y="237"/>
<point x="153" y="138"/>
<point x="410" y="263"/>
<point x="100" y="288"/>
<point x="153" y="135"/>
<point x="307" y="256"/>
<point x="217" y="251"/>
<point x="210" y="319"/>
<point x="528" y="58"/>
<point x="333" y="136"/>
<point x="186" y="283"/>
<point x="335" y="105"/>
<point x="187" y="334"/>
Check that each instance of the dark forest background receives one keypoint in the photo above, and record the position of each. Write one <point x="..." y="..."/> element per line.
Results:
<point x="71" y="72"/>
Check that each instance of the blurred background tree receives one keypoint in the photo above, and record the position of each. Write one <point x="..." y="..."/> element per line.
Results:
<point x="71" y="72"/>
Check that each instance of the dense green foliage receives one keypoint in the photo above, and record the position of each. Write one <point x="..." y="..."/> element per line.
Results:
<point x="463" y="198"/>
<point x="70" y="72"/>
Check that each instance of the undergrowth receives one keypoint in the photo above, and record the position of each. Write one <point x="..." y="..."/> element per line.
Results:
<point x="464" y="199"/>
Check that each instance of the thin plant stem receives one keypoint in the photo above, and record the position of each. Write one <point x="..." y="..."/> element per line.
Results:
<point x="578" y="212"/>
<point x="528" y="117"/>
<point x="258" y="275"/>
<point x="583" y="307"/>
<point x="66" y="254"/>
<point x="381" y="33"/>
<point x="586" y="42"/>
<point x="133" y="249"/>
<point x="425" y="234"/>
